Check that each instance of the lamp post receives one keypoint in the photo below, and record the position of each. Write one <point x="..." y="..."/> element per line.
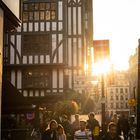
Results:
<point x="101" y="68"/>
<point x="103" y="103"/>
<point x="102" y="55"/>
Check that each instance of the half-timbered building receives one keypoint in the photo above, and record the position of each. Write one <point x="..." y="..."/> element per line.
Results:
<point x="52" y="46"/>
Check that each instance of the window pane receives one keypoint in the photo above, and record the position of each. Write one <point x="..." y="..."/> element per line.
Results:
<point x="25" y="16"/>
<point x="47" y="6"/>
<point x="126" y="90"/>
<point x="40" y="10"/>
<point x="42" y="6"/>
<point x="53" y="6"/>
<point x="31" y="6"/>
<point x="36" y="15"/>
<point x="121" y="90"/>
<point x="36" y="6"/>
<point x="47" y="15"/>
<point x="25" y="6"/>
<point x="36" y="78"/>
<point x="36" y="44"/>
<point x="53" y="15"/>
<point x="30" y="15"/>
<point x="42" y="15"/>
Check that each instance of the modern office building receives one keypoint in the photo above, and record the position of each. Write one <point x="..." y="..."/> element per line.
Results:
<point x="52" y="46"/>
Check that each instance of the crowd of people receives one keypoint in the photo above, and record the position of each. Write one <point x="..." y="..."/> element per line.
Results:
<point x="117" y="129"/>
<point x="54" y="127"/>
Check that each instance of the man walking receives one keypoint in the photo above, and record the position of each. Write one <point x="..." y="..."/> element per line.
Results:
<point x="112" y="133"/>
<point x="93" y="126"/>
<point x="83" y="133"/>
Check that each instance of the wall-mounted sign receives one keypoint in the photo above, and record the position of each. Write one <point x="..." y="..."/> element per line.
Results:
<point x="101" y="50"/>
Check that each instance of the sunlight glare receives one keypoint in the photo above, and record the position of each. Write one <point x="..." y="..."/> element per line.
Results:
<point x="101" y="67"/>
<point x="86" y="68"/>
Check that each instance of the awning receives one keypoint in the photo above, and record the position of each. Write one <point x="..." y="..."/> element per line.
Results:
<point x="13" y="101"/>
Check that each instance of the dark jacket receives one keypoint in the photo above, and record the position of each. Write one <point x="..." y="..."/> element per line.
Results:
<point x="91" y="124"/>
<point x="49" y="135"/>
<point x="67" y="127"/>
<point x="123" y="125"/>
<point x="107" y="137"/>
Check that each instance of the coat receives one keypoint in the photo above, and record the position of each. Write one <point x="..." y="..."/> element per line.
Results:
<point x="49" y="135"/>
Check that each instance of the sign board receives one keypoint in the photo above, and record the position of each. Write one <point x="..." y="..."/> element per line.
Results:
<point x="30" y="116"/>
<point x="101" y="50"/>
<point x="131" y="102"/>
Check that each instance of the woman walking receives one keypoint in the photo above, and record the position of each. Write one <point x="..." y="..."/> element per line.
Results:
<point x="61" y="133"/>
<point x="51" y="132"/>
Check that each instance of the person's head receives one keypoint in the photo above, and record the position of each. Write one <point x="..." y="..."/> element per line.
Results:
<point x="112" y="129"/>
<point x="115" y="115"/>
<point x="60" y="129"/>
<point x="76" y="116"/>
<point x="53" y="125"/>
<point x="91" y="115"/>
<point x="82" y="125"/>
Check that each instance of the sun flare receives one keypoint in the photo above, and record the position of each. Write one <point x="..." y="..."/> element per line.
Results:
<point x="101" y="67"/>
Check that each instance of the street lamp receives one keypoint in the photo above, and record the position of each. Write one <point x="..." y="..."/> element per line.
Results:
<point x="138" y="96"/>
<point x="101" y="68"/>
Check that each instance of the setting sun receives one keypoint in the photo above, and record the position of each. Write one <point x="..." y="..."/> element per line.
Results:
<point x="101" y="67"/>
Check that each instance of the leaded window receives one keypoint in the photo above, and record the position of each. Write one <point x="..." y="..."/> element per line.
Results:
<point x="36" y="78"/>
<point x="36" y="44"/>
<point x="35" y="11"/>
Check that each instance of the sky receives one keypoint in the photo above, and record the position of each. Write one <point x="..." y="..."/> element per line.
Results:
<point x="118" y="21"/>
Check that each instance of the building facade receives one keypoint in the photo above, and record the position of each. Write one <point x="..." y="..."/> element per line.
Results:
<point x="133" y="73"/>
<point x="50" y="48"/>
<point x="9" y="20"/>
<point x="118" y="94"/>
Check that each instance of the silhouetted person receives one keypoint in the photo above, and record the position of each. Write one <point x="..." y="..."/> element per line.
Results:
<point x="67" y="126"/>
<point x="61" y="133"/>
<point x="115" y="119"/>
<point x="93" y="126"/>
<point x="50" y="133"/>
<point x="76" y="123"/>
<point x="123" y="126"/>
<point x="83" y="133"/>
<point x="112" y="133"/>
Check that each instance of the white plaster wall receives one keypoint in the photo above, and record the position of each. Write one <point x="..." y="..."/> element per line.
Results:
<point x="60" y="11"/>
<point x="12" y="52"/>
<point x="13" y="5"/>
<point x="54" y="78"/>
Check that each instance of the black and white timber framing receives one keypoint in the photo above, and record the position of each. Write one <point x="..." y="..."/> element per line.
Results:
<point x="50" y="48"/>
